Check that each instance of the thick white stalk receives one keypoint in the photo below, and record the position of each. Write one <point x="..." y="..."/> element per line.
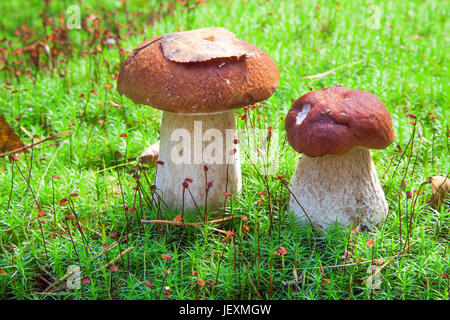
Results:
<point x="343" y="189"/>
<point x="188" y="143"/>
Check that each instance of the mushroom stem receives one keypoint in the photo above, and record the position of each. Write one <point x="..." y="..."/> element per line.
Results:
<point x="201" y="148"/>
<point x="338" y="188"/>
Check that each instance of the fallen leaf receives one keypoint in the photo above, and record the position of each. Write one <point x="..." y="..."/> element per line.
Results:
<point x="203" y="45"/>
<point x="440" y="187"/>
<point x="9" y="140"/>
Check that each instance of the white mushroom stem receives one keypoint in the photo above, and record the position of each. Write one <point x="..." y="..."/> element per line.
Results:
<point x="189" y="143"/>
<point x="338" y="188"/>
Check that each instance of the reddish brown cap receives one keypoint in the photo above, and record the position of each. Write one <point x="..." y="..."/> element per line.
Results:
<point x="199" y="71"/>
<point x="337" y="119"/>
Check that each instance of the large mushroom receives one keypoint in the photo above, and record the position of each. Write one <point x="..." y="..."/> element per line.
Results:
<point x="197" y="78"/>
<point x="336" y="180"/>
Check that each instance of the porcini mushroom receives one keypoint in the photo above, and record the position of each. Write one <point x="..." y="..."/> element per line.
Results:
<point x="197" y="78"/>
<point x="336" y="179"/>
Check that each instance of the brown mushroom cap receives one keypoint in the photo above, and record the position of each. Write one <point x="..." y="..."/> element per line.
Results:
<point x="185" y="72"/>
<point x="335" y="120"/>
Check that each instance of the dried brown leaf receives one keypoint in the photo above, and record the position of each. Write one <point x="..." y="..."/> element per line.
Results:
<point x="9" y="140"/>
<point x="203" y="45"/>
<point x="440" y="187"/>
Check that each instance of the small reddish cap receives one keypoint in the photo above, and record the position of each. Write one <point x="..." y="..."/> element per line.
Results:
<point x="199" y="71"/>
<point x="335" y="120"/>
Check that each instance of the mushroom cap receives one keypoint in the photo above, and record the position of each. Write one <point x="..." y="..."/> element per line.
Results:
<point x="199" y="71"/>
<point x="335" y="120"/>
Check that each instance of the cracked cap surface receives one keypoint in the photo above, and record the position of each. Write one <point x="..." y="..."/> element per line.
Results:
<point x="335" y="120"/>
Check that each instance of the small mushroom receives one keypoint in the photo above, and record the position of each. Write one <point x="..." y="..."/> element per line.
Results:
<point x="197" y="78"/>
<point x="150" y="155"/>
<point x="336" y="179"/>
<point x="440" y="186"/>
